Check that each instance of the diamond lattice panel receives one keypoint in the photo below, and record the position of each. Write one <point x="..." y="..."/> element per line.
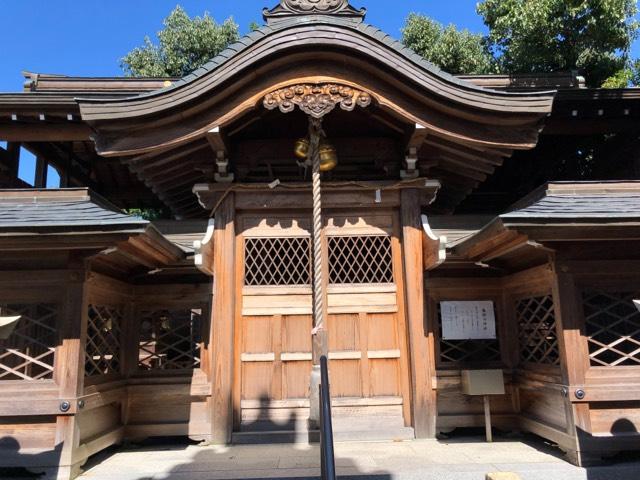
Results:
<point x="277" y="261"/>
<point x="102" y="353"/>
<point x="537" y="330"/>
<point x="358" y="260"/>
<point x="613" y="328"/>
<point x="28" y="354"/>
<point x="170" y="339"/>
<point x="467" y="351"/>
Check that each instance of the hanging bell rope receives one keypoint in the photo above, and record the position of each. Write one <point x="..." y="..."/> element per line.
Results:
<point x="315" y="136"/>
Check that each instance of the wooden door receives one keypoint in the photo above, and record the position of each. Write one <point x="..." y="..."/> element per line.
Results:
<point x="366" y="324"/>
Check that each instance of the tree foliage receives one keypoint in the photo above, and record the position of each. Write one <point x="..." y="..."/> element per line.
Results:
<point x="454" y="51"/>
<point x="591" y="36"/>
<point x="184" y="44"/>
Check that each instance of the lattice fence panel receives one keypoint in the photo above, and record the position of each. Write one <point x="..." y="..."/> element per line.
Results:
<point x="612" y="327"/>
<point x="104" y="334"/>
<point x="360" y="260"/>
<point x="28" y="353"/>
<point x="467" y="351"/>
<point x="170" y="339"/>
<point x="537" y="333"/>
<point x="277" y="261"/>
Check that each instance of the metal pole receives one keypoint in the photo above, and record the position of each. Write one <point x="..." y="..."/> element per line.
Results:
<point x="327" y="453"/>
<point x="320" y="346"/>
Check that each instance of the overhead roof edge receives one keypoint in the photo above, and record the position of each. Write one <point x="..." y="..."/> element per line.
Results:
<point x="95" y="109"/>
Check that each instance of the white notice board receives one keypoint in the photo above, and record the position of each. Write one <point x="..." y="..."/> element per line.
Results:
<point x="468" y="321"/>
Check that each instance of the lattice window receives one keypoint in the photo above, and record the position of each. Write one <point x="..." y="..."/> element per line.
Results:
<point x="537" y="330"/>
<point x="362" y="259"/>
<point x="170" y="339"/>
<point x="104" y="332"/>
<point x="613" y="328"/>
<point x="277" y="261"/>
<point x="467" y="351"/>
<point x="28" y="353"/>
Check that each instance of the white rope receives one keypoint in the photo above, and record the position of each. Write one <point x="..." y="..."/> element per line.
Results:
<point x="315" y="134"/>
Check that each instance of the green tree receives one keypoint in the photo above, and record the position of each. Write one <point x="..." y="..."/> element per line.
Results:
<point x="534" y="36"/>
<point x="455" y="51"/>
<point x="184" y="44"/>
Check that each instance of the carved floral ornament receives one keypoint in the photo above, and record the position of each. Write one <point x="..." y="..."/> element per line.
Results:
<point x="327" y="6"/>
<point x="287" y="8"/>
<point x="316" y="100"/>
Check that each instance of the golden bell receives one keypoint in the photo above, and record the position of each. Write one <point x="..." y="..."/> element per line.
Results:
<point x="301" y="149"/>
<point x="328" y="157"/>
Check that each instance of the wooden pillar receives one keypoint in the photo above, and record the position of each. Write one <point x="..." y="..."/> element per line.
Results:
<point x="41" y="173"/>
<point x="13" y="160"/>
<point x="421" y="340"/>
<point x="69" y="369"/>
<point x="222" y="320"/>
<point x="574" y="353"/>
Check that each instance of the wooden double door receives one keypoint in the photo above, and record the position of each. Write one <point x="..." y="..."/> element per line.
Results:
<point x="365" y="311"/>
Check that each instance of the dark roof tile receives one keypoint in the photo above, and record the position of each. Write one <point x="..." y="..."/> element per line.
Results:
<point x="70" y="208"/>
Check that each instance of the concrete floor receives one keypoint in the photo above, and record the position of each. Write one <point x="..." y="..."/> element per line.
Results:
<point x="462" y="459"/>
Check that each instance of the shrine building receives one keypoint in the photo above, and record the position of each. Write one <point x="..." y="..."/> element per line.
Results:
<point x="439" y="241"/>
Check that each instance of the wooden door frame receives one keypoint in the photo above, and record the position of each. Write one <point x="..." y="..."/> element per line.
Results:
<point x="398" y="258"/>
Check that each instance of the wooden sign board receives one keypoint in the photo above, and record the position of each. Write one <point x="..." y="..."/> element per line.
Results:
<point x="468" y="320"/>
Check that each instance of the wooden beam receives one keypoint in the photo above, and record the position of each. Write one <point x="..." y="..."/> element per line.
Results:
<point x="467" y="153"/>
<point x="43" y="132"/>
<point x="70" y="358"/>
<point x="574" y="352"/>
<point x="154" y="159"/>
<point x="421" y="340"/>
<point x="222" y="321"/>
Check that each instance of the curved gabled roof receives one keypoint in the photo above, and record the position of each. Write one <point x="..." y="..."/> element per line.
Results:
<point x="334" y="48"/>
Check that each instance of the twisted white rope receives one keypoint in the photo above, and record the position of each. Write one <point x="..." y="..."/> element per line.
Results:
<point x="315" y="134"/>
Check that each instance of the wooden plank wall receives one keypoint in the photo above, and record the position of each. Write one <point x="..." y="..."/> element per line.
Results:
<point x="454" y="409"/>
<point x="607" y="419"/>
<point x="44" y="434"/>
<point x="544" y="396"/>
<point x="103" y="409"/>
<point x="169" y="402"/>
<point x="533" y="400"/>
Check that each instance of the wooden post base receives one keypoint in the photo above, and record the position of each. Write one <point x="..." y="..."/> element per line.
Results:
<point x="487" y="418"/>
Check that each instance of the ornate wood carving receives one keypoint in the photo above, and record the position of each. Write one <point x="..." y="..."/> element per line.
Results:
<point x="288" y="8"/>
<point x="316" y="100"/>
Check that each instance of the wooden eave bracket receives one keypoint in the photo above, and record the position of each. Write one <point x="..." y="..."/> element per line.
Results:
<point x="218" y="144"/>
<point x="203" y="250"/>
<point x="434" y="247"/>
<point x="413" y="147"/>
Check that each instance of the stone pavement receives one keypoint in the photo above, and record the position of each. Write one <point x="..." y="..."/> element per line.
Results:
<point x="468" y="459"/>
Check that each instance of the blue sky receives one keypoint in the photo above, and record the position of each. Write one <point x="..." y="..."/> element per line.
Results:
<point x="88" y="37"/>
